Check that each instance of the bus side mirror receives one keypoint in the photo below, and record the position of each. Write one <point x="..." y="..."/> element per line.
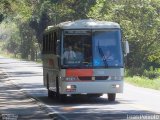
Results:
<point x="126" y="48"/>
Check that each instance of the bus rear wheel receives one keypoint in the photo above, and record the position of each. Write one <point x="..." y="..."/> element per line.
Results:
<point x="50" y="93"/>
<point x="111" y="96"/>
<point x="62" y="98"/>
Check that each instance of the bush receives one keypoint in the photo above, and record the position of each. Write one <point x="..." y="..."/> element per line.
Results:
<point x="144" y="82"/>
<point x="152" y="73"/>
<point x="134" y="71"/>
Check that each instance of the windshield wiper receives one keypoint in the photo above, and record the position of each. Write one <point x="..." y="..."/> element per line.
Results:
<point x="102" y="55"/>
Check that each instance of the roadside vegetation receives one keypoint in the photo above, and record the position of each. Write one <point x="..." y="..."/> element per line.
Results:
<point x="144" y="82"/>
<point x="22" y="24"/>
<point x="148" y="79"/>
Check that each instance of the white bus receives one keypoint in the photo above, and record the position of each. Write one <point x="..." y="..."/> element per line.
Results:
<point x="83" y="57"/>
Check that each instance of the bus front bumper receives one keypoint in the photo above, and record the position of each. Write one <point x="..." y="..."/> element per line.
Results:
<point x="92" y="87"/>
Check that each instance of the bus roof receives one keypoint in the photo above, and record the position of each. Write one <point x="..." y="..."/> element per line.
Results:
<point x="86" y="24"/>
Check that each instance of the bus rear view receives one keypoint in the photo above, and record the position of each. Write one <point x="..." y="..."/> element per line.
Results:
<point x="90" y="59"/>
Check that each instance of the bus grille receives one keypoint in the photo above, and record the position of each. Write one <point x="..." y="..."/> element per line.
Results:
<point x="93" y="77"/>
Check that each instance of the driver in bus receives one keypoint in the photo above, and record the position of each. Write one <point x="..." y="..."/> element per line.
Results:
<point x="108" y="55"/>
<point x="69" y="55"/>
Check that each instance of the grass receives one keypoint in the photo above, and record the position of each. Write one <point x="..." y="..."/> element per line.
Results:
<point x="144" y="82"/>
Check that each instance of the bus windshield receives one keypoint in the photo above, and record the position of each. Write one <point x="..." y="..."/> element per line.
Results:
<point x="91" y="49"/>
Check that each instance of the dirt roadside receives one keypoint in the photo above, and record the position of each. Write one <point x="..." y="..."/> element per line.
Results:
<point x="16" y="105"/>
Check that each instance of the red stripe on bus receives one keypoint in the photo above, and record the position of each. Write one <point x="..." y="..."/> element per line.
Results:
<point x="79" y="72"/>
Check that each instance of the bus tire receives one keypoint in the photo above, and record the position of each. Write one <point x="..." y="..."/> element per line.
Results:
<point x="62" y="97"/>
<point x="50" y="93"/>
<point x="111" y="96"/>
<point x="57" y="88"/>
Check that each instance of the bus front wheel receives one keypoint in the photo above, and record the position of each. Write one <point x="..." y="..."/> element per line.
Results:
<point x="111" y="96"/>
<point x="60" y="97"/>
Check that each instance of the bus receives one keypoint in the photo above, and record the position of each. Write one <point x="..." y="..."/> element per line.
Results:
<point x="83" y="57"/>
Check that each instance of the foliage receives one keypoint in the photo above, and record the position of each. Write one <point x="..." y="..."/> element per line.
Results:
<point x="151" y="73"/>
<point x="134" y="71"/>
<point x="1" y="18"/>
<point x="139" y="19"/>
<point x="14" y="10"/>
<point x="144" y="82"/>
<point x="12" y="45"/>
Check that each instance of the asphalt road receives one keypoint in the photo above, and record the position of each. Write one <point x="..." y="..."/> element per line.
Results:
<point x="134" y="103"/>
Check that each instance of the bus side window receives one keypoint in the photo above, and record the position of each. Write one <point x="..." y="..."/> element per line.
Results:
<point x="46" y="43"/>
<point x="52" y="43"/>
<point x="55" y="42"/>
<point x="49" y="42"/>
<point x="44" y="37"/>
<point x="58" y="47"/>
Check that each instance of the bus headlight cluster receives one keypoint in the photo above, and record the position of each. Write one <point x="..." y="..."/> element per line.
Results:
<point x="115" y="86"/>
<point x="71" y="88"/>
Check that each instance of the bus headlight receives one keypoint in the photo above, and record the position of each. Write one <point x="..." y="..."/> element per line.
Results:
<point x="71" y="88"/>
<point x="115" y="86"/>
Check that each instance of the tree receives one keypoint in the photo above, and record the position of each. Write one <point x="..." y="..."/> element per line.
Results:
<point x="140" y="21"/>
